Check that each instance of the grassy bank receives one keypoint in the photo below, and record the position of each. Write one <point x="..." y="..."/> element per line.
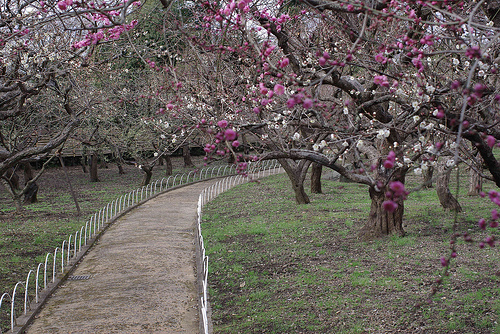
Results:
<point x="278" y="267"/>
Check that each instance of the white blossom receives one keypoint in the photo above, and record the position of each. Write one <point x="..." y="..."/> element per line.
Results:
<point x="383" y="133"/>
<point x="416" y="118"/>
<point x="456" y="61"/>
<point x="417" y="171"/>
<point x="296" y="136"/>
<point x="316" y="147"/>
<point x="345" y="144"/>
<point x="450" y="162"/>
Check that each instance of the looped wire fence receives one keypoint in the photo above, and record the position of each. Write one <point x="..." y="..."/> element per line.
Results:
<point x="263" y="169"/>
<point x="60" y="260"/>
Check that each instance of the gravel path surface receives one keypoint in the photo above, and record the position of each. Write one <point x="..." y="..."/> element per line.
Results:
<point x="142" y="275"/>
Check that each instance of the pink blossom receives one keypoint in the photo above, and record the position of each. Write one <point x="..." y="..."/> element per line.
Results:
<point x="444" y="262"/>
<point x="490" y="140"/>
<point x="284" y="62"/>
<point x="222" y="123"/>
<point x="455" y="84"/>
<point x="381" y="80"/>
<point x="390" y="206"/>
<point x="235" y="143"/>
<point x="62" y="5"/>
<point x="264" y="102"/>
<point x="256" y="110"/>
<point x="322" y="61"/>
<point x="170" y="106"/>
<point x="308" y="103"/>
<point x="494" y="197"/>
<point x="290" y="103"/>
<point x="379" y="57"/>
<point x="388" y="164"/>
<point x="230" y="134"/>
<point x="263" y="89"/>
<point x="482" y="224"/>
<point x="490" y="241"/>
<point x="473" y="52"/>
<point x="279" y="89"/>
<point x="390" y="160"/>
<point x="397" y="188"/>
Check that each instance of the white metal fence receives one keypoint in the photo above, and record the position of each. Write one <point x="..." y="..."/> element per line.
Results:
<point x="56" y="261"/>
<point x="266" y="168"/>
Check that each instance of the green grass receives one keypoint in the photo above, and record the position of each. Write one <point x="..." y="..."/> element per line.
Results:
<point x="278" y="267"/>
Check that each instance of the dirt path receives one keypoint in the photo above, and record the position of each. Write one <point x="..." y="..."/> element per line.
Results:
<point x="142" y="275"/>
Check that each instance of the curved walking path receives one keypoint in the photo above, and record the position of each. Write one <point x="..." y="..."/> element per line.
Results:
<point x="143" y="276"/>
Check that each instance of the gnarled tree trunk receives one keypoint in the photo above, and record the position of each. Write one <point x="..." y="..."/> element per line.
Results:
<point x="168" y="165"/>
<point x="297" y="172"/>
<point x="148" y="174"/>
<point x="93" y="167"/>
<point x="381" y="222"/>
<point x="447" y="200"/>
<point x="30" y="194"/>
<point x="316" y="170"/>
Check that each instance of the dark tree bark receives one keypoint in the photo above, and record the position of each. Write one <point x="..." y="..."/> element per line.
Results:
<point x="93" y="167"/>
<point x="316" y="170"/>
<point x="30" y="194"/>
<point x="83" y="162"/>
<point x="447" y="200"/>
<point x="168" y="165"/>
<point x="148" y="174"/>
<point x="297" y="172"/>
<point x="186" y="154"/>
<point x="428" y="174"/>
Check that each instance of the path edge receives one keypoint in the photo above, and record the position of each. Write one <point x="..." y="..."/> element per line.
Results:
<point x="24" y="321"/>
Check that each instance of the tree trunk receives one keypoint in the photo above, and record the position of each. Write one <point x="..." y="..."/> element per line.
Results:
<point x="382" y="222"/>
<point x="316" y="171"/>
<point x="83" y="162"/>
<point x="30" y="195"/>
<point x="93" y="167"/>
<point x="168" y="165"/>
<point x="446" y="199"/>
<point x="186" y="154"/>
<point x="428" y="177"/>
<point x="121" y="171"/>
<point x="297" y="173"/>
<point x="475" y="180"/>
<point x="73" y="194"/>
<point x="148" y="174"/>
